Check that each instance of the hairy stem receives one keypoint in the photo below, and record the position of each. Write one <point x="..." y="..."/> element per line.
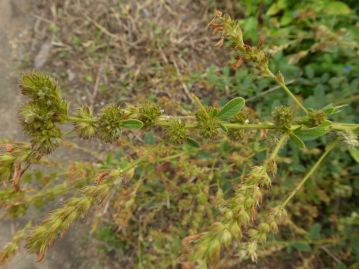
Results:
<point x="279" y="145"/>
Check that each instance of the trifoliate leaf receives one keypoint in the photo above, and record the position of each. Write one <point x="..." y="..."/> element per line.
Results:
<point x="231" y="108"/>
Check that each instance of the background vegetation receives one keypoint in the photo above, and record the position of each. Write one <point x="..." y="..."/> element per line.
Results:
<point x="132" y="51"/>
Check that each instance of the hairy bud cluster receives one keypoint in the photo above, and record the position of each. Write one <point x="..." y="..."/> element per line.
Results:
<point x="176" y="132"/>
<point x="149" y="113"/>
<point x="315" y="118"/>
<point x="108" y="125"/>
<point x="283" y="117"/>
<point x="208" y="124"/>
<point x="46" y="108"/>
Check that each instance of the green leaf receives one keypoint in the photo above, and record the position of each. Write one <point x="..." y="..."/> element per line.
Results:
<point x="301" y="246"/>
<point x="149" y="138"/>
<point x="313" y="133"/>
<point x="274" y="9"/>
<point x="132" y="124"/>
<point x="315" y="231"/>
<point x="192" y="142"/>
<point x="331" y="109"/>
<point x="231" y="108"/>
<point x="336" y="8"/>
<point x="340" y="266"/>
<point x="354" y="151"/>
<point x="296" y="140"/>
<point x="224" y="128"/>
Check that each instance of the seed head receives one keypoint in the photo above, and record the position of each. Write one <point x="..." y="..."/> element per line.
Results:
<point x="108" y="125"/>
<point x="208" y="124"/>
<point x="315" y="118"/>
<point x="283" y="117"/>
<point x="149" y="113"/>
<point x="176" y="132"/>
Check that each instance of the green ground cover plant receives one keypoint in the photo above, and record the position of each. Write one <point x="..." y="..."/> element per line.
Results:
<point x="209" y="187"/>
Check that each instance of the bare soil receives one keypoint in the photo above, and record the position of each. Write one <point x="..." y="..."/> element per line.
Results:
<point x="15" y="18"/>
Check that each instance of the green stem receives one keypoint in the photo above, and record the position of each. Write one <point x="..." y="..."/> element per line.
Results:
<point x="308" y="175"/>
<point x="199" y="103"/>
<point x="279" y="145"/>
<point x="250" y="126"/>
<point x="76" y="119"/>
<point x="345" y="126"/>
<point x="285" y="88"/>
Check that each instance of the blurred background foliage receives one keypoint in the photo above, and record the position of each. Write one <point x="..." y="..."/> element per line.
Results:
<point x="126" y="51"/>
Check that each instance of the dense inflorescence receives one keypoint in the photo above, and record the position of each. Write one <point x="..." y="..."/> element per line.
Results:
<point x="45" y="110"/>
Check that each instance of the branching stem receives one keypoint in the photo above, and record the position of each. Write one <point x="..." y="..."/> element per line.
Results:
<point x="285" y="88"/>
<point x="309" y="174"/>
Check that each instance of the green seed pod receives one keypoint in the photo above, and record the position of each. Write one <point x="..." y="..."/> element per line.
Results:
<point x="283" y="117"/>
<point x="249" y="203"/>
<point x="86" y="127"/>
<point x="214" y="250"/>
<point x="257" y="195"/>
<point x="108" y="125"/>
<point x="252" y="250"/>
<point x="259" y="175"/>
<point x="273" y="227"/>
<point x="253" y="233"/>
<point x="228" y="214"/>
<point x="149" y="113"/>
<point x="226" y="237"/>
<point x="235" y="229"/>
<point x="262" y="236"/>
<point x="176" y="132"/>
<point x="279" y="214"/>
<point x="243" y="217"/>
<point x="264" y="227"/>
<point x="6" y="159"/>
<point x="272" y="167"/>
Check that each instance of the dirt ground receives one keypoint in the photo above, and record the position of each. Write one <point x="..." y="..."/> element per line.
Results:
<point x="14" y="20"/>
